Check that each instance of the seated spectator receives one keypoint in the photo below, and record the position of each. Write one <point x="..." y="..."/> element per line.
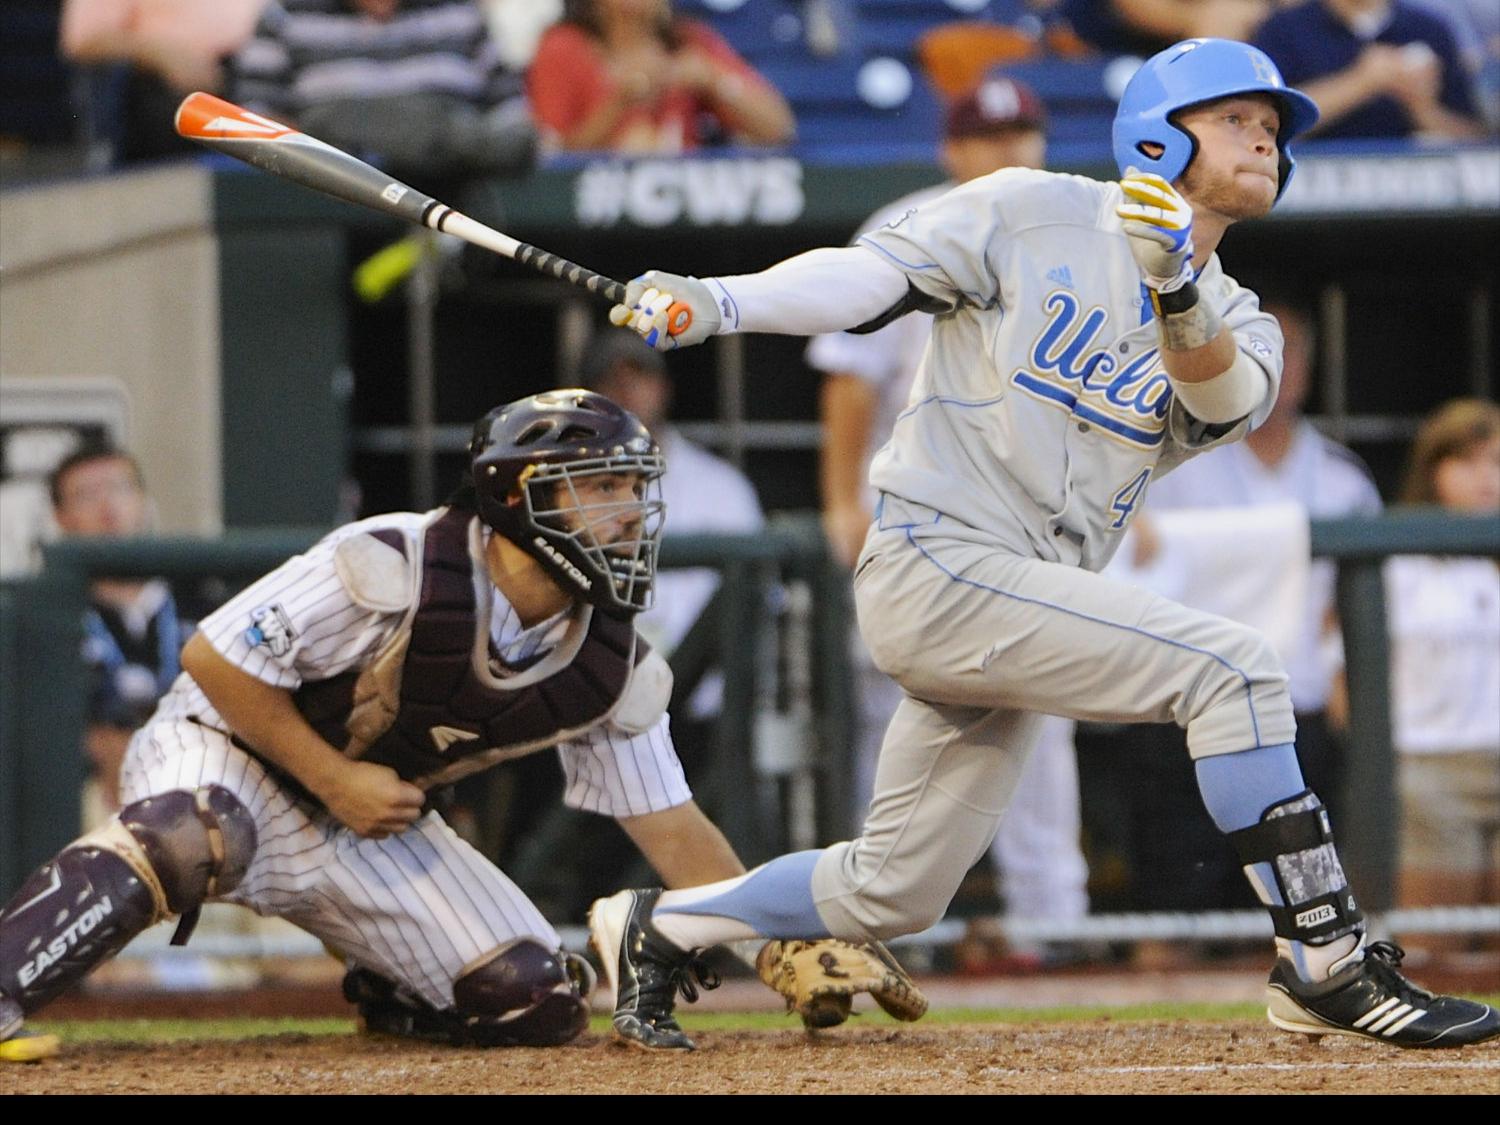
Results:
<point x="414" y="85"/>
<point x="183" y="42"/>
<point x="132" y="630"/>
<point x="1144" y="27"/>
<point x="1444" y="616"/>
<point x="1376" y="68"/>
<point x="704" y="494"/>
<point x="167" y="47"/>
<point x="629" y="76"/>
<point x="1286" y="459"/>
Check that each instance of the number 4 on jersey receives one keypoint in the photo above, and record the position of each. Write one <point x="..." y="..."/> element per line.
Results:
<point x="1128" y="497"/>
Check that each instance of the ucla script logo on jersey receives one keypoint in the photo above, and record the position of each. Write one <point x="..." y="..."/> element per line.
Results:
<point x="1127" y="397"/>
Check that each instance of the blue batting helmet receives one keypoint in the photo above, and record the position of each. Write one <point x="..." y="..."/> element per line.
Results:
<point x="1190" y="73"/>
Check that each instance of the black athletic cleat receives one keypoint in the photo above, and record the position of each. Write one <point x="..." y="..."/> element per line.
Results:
<point x="1372" y="1000"/>
<point x="645" y="970"/>
<point x="385" y="1008"/>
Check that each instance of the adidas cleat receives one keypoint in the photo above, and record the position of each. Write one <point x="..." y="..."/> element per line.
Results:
<point x="1372" y="1000"/>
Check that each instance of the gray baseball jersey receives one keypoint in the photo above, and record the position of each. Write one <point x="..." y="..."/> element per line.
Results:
<point x="419" y="907"/>
<point x="1041" y="410"/>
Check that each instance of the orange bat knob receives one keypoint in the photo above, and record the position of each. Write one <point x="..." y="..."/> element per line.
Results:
<point x="679" y="317"/>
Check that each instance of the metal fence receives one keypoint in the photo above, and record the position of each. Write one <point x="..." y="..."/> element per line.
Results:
<point x="778" y="628"/>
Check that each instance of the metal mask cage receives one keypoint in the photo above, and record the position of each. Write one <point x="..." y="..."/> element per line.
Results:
<point x="593" y="529"/>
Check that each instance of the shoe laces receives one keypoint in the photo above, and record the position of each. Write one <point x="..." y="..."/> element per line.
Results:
<point x="683" y="973"/>
<point x="1384" y="959"/>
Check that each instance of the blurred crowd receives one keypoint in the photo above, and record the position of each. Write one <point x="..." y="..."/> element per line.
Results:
<point x="484" y="86"/>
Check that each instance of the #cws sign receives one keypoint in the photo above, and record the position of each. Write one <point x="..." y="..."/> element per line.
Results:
<point x="756" y="191"/>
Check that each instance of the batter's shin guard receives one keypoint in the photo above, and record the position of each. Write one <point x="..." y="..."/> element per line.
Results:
<point x="1295" y="840"/>
<point x="160" y="856"/>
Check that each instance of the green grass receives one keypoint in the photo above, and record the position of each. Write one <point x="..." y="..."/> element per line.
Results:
<point x="180" y="1030"/>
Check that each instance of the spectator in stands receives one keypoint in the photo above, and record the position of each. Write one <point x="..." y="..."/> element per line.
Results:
<point x="1476" y="23"/>
<point x="183" y="42"/>
<point x="132" y="630"/>
<point x="1144" y="27"/>
<point x="1284" y="461"/>
<point x="415" y="85"/>
<point x="867" y="382"/>
<point x="1287" y="459"/>
<point x="630" y="76"/>
<point x="703" y="493"/>
<point x="1376" y="68"/>
<point x="168" y="48"/>
<point x="1444" y="616"/>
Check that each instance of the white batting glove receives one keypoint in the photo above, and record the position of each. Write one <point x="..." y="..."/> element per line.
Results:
<point x="649" y="299"/>
<point x="1159" y="228"/>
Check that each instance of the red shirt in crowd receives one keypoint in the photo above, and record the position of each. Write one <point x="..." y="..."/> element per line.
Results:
<point x="569" y="79"/>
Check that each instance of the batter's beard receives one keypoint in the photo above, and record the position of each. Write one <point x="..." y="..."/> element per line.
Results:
<point x="1224" y="196"/>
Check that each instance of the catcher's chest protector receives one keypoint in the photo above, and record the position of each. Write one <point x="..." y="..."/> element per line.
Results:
<point x="437" y="717"/>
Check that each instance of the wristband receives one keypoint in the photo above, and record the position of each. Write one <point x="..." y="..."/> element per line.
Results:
<point x="1179" y="300"/>
<point x="1193" y="327"/>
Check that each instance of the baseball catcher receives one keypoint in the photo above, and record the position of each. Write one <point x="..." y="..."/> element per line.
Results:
<point x="289" y="768"/>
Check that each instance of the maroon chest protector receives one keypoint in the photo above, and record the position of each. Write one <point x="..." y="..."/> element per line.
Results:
<point x="451" y="721"/>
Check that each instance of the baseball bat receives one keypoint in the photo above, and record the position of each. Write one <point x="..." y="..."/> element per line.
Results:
<point x="292" y="155"/>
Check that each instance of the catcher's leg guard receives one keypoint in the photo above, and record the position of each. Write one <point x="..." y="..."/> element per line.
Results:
<point x="522" y="995"/>
<point x="525" y="994"/>
<point x="1294" y="843"/>
<point x="160" y="856"/>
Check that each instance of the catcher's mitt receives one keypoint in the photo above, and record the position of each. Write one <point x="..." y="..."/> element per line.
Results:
<point x="819" y="979"/>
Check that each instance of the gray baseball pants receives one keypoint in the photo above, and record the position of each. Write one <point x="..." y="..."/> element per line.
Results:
<point x="983" y="642"/>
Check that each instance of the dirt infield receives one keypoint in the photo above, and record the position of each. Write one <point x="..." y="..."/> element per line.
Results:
<point x="1094" y="1058"/>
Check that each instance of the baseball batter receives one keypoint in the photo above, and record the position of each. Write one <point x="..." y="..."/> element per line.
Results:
<point x="1086" y="340"/>
<point x="289" y="767"/>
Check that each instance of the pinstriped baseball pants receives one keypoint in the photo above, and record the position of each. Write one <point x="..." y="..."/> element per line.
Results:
<point x="418" y="908"/>
<point x="982" y="642"/>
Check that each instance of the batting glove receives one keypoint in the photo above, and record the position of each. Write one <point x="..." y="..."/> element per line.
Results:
<point x="649" y="298"/>
<point x="1159" y="228"/>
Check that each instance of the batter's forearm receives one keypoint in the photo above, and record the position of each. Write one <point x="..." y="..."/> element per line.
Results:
<point x="825" y="290"/>
<point x="1215" y="380"/>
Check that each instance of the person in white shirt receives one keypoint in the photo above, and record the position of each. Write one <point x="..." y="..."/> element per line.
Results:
<point x="1444" y="616"/>
<point x="704" y="493"/>
<point x="1288" y="459"/>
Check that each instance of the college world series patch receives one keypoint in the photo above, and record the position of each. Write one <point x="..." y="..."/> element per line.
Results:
<point x="272" y="628"/>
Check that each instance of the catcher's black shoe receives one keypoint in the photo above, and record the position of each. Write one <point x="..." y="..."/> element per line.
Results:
<point x="1372" y="1000"/>
<point x="387" y="1009"/>
<point x="645" y="970"/>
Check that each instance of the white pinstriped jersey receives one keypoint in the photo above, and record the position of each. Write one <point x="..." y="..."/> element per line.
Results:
<point x="300" y="623"/>
<point x="1041" y="409"/>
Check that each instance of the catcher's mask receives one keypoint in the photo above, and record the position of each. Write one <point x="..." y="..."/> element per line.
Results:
<point x="575" y="481"/>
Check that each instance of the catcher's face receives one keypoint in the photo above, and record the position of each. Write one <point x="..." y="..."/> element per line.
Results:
<point x="607" y="508"/>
